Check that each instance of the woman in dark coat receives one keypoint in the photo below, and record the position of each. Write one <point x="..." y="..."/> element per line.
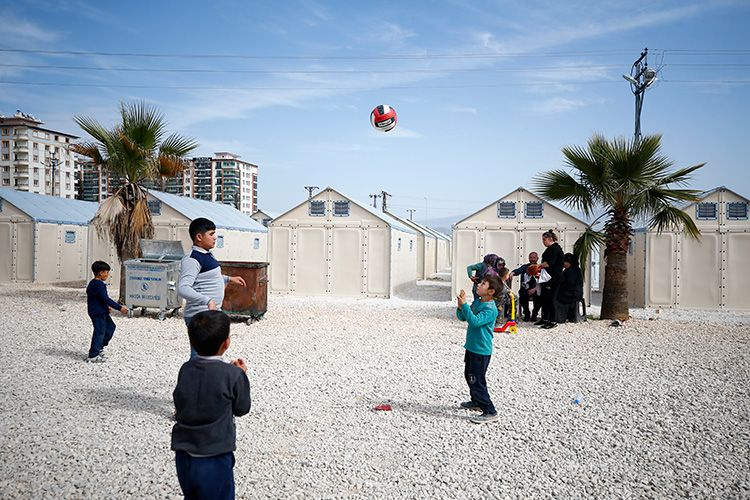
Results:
<point x="571" y="289"/>
<point x="552" y="262"/>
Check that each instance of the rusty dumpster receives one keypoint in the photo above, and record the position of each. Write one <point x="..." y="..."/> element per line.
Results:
<point x="248" y="303"/>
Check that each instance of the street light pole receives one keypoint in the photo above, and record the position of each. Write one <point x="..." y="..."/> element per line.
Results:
<point x="641" y="77"/>
<point x="53" y="162"/>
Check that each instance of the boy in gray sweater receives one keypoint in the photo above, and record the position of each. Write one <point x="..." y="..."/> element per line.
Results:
<point x="201" y="283"/>
<point x="209" y="394"/>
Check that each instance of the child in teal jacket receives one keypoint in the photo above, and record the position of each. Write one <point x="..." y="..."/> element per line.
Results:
<point x="480" y="316"/>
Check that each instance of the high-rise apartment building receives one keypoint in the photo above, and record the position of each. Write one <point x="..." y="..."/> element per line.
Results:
<point x="36" y="159"/>
<point x="236" y="182"/>
<point x="223" y="178"/>
<point x="94" y="183"/>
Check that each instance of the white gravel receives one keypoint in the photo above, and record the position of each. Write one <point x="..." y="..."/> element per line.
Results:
<point x="665" y="409"/>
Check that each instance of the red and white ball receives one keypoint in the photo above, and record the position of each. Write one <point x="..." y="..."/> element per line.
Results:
<point x="383" y="118"/>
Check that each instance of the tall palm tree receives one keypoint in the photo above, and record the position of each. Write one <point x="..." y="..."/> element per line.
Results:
<point x="135" y="150"/>
<point x="627" y="180"/>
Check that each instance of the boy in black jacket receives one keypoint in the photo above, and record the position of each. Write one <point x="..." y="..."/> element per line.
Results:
<point x="209" y="394"/>
<point x="98" y="304"/>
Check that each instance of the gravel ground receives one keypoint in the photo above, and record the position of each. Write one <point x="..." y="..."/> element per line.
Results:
<point x="664" y="412"/>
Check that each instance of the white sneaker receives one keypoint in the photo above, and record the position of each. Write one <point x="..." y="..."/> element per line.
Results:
<point x="96" y="359"/>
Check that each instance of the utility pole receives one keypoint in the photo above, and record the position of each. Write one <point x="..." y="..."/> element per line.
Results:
<point x="53" y="162"/>
<point x="310" y="190"/>
<point x="385" y="200"/>
<point x="411" y="212"/>
<point x="375" y="200"/>
<point x="641" y="77"/>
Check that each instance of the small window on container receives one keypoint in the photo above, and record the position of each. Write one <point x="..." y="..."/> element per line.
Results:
<point x="506" y="209"/>
<point x="154" y="207"/>
<point x="317" y="208"/>
<point x="736" y="210"/>
<point x="220" y="241"/>
<point x="70" y="236"/>
<point x="534" y="210"/>
<point x="398" y="247"/>
<point x="256" y="244"/>
<point x="705" y="211"/>
<point x="341" y="208"/>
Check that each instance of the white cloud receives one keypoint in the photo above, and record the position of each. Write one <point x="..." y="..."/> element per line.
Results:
<point x="459" y="109"/>
<point x="557" y="105"/>
<point x="400" y="133"/>
<point x="20" y="30"/>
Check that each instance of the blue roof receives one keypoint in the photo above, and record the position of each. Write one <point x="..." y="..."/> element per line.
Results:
<point x="51" y="209"/>
<point x="224" y="216"/>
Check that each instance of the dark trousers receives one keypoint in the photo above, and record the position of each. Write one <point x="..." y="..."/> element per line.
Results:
<point x="206" y="478"/>
<point x="524" y="298"/>
<point x="475" y="369"/>
<point x="104" y="328"/>
<point x="549" y="301"/>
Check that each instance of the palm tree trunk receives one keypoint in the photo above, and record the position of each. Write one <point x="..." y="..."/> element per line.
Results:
<point x="615" y="294"/>
<point x="121" y="300"/>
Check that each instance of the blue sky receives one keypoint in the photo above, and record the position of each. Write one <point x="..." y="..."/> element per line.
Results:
<point x="487" y="93"/>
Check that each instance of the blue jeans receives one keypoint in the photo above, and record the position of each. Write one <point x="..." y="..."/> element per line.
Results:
<point x="104" y="328"/>
<point x="193" y="352"/>
<point x="475" y="369"/>
<point x="209" y="478"/>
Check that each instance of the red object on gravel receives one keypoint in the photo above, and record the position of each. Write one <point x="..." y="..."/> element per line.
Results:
<point x="383" y="407"/>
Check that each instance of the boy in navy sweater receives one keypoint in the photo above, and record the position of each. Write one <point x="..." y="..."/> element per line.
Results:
<point x="201" y="283"/>
<point x="209" y="394"/>
<point x="98" y="303"/>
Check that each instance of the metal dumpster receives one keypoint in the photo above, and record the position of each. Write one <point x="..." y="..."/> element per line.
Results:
<point x="251" y="301"/>
<point x="151" y="281"/>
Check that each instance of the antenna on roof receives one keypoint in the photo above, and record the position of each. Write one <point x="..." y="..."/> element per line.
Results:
<point x="310" y="190"/>
<point x="411" y="212"/>
<point x="375" y="199"/>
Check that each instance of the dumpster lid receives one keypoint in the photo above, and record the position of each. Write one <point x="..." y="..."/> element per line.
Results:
<point x="163" y="250"/>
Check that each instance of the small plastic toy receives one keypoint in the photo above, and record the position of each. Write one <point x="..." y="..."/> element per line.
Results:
<point x="510" y="326"/>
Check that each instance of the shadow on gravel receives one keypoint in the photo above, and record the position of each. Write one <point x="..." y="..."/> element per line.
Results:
<point x="121" y="399"/>
<point x="423" y="292"/>
<point x="65" y="353"/>
<point x="49" y="296"/>
<point x="437" y="410"/>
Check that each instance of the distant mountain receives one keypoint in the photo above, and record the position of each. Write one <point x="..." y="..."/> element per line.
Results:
<point x="443" y="224"/>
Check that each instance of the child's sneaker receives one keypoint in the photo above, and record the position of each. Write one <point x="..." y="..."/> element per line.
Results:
<point x="470" y="405"/>
<point x="96" y="359"/>
<point x="103" y="355"/>
<point x="485" y="418"/>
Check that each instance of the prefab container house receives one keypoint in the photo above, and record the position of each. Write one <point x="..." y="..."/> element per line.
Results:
<point x="426" y="248"/>
<point x="674" y="270"/>
<point x="442" y="251"/>
<point x="332" y="245"/>
<point x="43" y="239"/>
<point x="511" y="227"/>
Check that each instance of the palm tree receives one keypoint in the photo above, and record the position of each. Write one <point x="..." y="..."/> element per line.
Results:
<point x="135" y="150"/>
<point x="627" y="180"/>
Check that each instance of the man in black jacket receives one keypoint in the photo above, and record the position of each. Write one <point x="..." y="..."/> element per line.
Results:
<point x="528" y="284"/>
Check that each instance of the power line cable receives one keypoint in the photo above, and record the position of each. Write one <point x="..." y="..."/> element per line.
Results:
<point x="317" y="57"/>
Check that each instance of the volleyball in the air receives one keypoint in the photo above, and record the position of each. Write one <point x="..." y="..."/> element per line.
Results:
<point x="383" y="118"/>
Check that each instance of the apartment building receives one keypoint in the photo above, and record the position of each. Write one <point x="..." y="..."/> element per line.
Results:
<point x="223" y="178"/>
<point x="34" y="158"/>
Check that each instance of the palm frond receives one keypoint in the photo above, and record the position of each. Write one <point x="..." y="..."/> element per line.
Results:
<point x="680" y="176"/>
<point x="177" y="145"/>
<point x="89" y="150"/>
<point x="169" y="165"/>
<point x="670" y="217"/>
<point x="585" y="244"/>
<point x="559" y="185"/>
